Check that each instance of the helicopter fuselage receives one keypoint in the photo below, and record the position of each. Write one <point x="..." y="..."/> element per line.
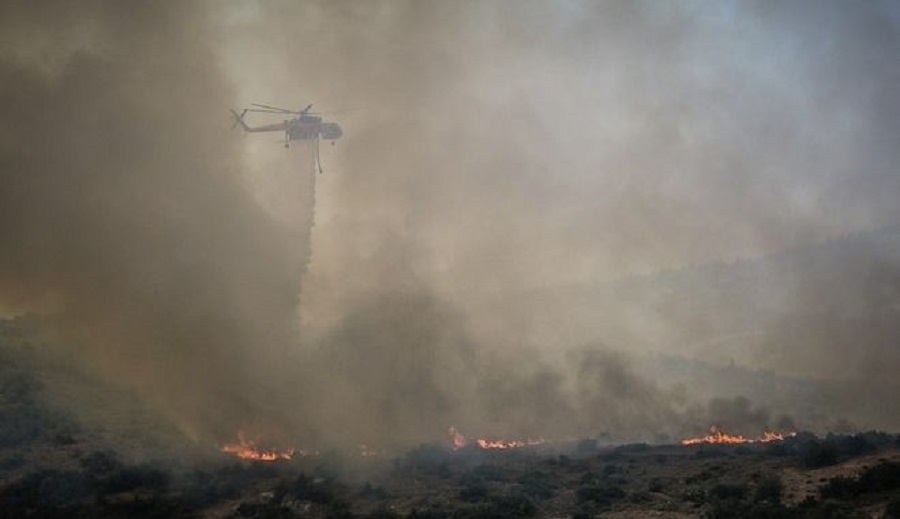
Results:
<point x="305" y="127"/>
<point x="310" y="128"/>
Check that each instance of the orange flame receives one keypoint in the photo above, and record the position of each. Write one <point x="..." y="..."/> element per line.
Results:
<point x="717" y="435"/>
<point x="458" y="441"/>
<point x="508" y="444"/>
<point x="247" y="449"/>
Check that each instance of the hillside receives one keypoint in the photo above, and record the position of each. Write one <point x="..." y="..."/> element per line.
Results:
<point x="121" y="459"/>
<point x="813" y="328"/>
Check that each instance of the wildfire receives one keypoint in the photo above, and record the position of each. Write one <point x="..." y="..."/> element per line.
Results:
<point x="248" y="450"/>
<point x="508" y="444"/>
<point x="717" y="435"/>
<point x="458" y="441"/>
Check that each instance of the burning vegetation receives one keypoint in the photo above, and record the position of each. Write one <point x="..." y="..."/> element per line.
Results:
<point x="459" y="441"/>
<point x="248" y="450"/>
<point x="50" y="466"/>
<point x="717" y="435"/>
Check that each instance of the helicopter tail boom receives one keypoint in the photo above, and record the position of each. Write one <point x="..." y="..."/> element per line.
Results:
<point x="239" y="119"/>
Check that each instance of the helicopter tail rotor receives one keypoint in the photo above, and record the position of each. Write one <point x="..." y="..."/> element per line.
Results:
<point x="239" y="119"/>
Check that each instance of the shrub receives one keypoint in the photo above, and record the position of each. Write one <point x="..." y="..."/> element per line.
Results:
<point x="706" y="453"/>
<point x="101" y="463"/>
<point x="892" y="511"/>
<point x="537" y="485"/>
<point x="780" y="449"/>
<point x="854" y="445"/>
<point x="769" y="489"/>
<point x="878" y="478"/>
<point x="263" y="510"/>
<point x="884" y="476"/>
<point x="319" y="490"/>
<point x="20" y="424"/>
<point x="656" y="485"/>
<point x="426" y="457"/>
<point x="383" y="512"/>
<point x="609" y="470"/>
<point x="203" y="489"/>
<point x="816" y="454"/>
<point x="513" y="504"/>
<point x="602" y="495"/>
<point x="489" y="473"/>
<point x="728" y="492"/>
<point x="474" y="489"/>
<point x="840" y="487"/>
<point x="427" y="513"/>
<point x="130" y="478"/>
<point x="44" y="490"/>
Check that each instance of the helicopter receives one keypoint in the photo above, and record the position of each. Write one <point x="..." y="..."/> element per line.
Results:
<point x="303" y="125"/>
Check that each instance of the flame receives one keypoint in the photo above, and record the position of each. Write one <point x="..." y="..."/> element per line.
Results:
<point x="508" y="444"/>
<point x="247" y="449"/>
<point x="458" y="441"/>
<point x="717" y="435"/>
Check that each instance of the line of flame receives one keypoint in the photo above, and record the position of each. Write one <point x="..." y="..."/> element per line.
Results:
<point x="247" y="449"/>
<point x="717" y="435"/>
<point x="458" y="441"/>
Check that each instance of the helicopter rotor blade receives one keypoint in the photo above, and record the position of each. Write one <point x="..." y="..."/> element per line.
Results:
<point x="266" y="111"/>
<point x="269" y="109"/>
<point x="282" y="110"/>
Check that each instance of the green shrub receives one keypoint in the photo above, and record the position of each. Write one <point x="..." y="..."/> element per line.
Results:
<point x="537" y="485"/>
<point x="603" y="495"/>
<point x="769" y="489"/>
<point x="131" y="478"/>
<point x="840" y="487"/>
<point x="880" y="477"/>
<point x="728" y="492"/>
<point x="473" y="490"/>
<point x="816" y="454"/>
<point x="318" y="490"/>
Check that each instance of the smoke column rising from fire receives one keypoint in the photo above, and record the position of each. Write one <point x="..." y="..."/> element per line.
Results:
<point x="505" y="155"/>
<point x="502" y="154"/>
<point x="123" y="213"/>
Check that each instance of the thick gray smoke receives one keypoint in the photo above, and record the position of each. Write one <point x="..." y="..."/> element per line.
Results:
<point x="506" y="161"/>
<point x="122" y="211"/>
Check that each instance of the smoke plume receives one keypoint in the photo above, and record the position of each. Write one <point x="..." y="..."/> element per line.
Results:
<point x="122" y="209"/>
<point x="508" y="170"/>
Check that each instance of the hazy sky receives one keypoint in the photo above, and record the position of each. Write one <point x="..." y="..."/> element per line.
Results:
<point x="492" y="148"/>
<point x="536" y="143"/>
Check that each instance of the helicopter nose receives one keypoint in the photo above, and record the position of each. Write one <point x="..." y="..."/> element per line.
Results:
<point x="331" y="131"/>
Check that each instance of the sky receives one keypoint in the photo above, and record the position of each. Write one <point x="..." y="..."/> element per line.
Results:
<point x="575" y="142"/>
<point x="491" y="150"/>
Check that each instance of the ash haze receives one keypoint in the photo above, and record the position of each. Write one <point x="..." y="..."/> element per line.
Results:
<point x="523" y="210"/>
